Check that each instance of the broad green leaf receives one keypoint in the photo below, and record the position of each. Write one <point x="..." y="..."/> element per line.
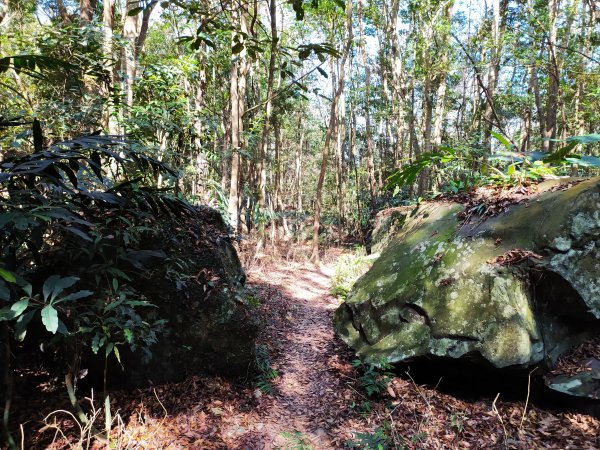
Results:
<point x="19" y="307"/>
<point x="135" y="11"/>
<point x="128" y="335"/>
<point x="585" y="139"/>
<point x="28" y="289"/>
<point x="96" y="343"/>
<point x="505" y="142"/>
<point x="118" y="355"/>
<point x="21" y="325"/>
<point x="109" y="349"/>
<point x="322" y="72"/>
<point x="7" y="275"/>
<point x="584" y="161"/>
<point x="561" y="153"/>
<point x="112" y="305"/>
<point x="15" y="310"/>
<point x="237" y="48"/>
<point x="50" y="318"/>
<point x="74" y="296"/>
<point x="54" y="285"/>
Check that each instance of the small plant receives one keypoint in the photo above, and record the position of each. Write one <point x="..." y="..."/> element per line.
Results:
<point x="456" y="423"/>
<point x="375" y="376"/>
<point x="296" y="441"/>
<point x="377" y="440"/>
<point x="265" y="372"/>
<point x="418" y="437"/>
<point x="253" y="301"/>
<point x="369" y="441"/>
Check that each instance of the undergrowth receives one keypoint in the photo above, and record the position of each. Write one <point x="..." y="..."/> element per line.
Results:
<point x="348" y="269"/>
<point x="266" y="373"/>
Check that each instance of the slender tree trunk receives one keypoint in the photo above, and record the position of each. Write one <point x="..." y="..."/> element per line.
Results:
<point x="332" y="119"/>
<point x="199" y="158"/>
<point x="239" y="71"/>
<point x="493" y="70"/>
<point x="262" y="161"/>
<point x="553" y="80"/>
<point x="339" y="159"/>
<point x="423" y="182"/>
<point x="367" y="110"/>
<point x="86" y="11"/>
<point x="62" y="11"/>
<point x="298" y="166"/>
<point x="108" y="24"/>
<point x="131" y="31"/>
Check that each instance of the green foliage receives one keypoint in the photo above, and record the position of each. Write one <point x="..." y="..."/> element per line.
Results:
<point x="72" y="219"/>
<point x="348" y="269"/>
<point x="296" y="441"/>
<point x="378" y="440"/>
<point x="375" y="377"/>
<point x="512" y="167"/>
<point x="33" y="65"/>
<point x="457" y="423"/>
<point x="266" y="373"/>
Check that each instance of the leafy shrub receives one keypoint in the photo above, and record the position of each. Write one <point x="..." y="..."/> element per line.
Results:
<point x="375" y="377"/>
<point x="72" y="217"/>
<point x="266" y="373"/>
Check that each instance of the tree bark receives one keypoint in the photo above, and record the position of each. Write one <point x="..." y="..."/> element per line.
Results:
<point x="87" y="8"/>
<point x="262" y="161"/>
<point x="238" y="82"/>
<point x="332" y="119"/>
<point x="367" y="110"/>
<point x="549" y="131"/>
<point x="108" y="24"/>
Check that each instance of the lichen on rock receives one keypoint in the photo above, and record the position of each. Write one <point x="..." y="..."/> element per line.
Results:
<point x="436" y="291"/>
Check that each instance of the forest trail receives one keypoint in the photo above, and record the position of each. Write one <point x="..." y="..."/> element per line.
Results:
<point x="309" y="393"/>
<point x="315" y="402"/>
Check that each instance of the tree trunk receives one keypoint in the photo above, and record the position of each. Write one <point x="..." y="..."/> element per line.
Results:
<point x="62" y="11"/>
<point x="493" y="70"/>
<point x="332" y="119"/>
<point x="131" y="31"/>
<point x="298" y="166"/>
<point x="239" y="72"/>
<point x="262" y="183"/>
<point x="86" y="11"/>
<point x="108" y="23"/>
<point x="553" y="80"/>
<point x="199" y="159"/>
<point x="367" y="110"/>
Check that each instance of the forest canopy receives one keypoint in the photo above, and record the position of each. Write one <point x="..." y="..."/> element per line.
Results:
<point x="277" y="112"/>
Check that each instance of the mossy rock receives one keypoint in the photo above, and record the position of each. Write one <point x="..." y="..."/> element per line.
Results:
<point x="436" y="291"/>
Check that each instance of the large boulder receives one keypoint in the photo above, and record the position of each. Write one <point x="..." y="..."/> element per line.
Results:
<point x="211" y="326"/>
<point x="513" y="291"/>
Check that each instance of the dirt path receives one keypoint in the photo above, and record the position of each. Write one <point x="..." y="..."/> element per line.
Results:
<point x="308" y="397"/>
<point x="315" y="402"/>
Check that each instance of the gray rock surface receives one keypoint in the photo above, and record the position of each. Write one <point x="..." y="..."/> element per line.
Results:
<point x="436" y="290"/>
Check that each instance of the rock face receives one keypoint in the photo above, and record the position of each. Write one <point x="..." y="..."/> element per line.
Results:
<point x="440" y="289"/>
<point x="199" y="289"/>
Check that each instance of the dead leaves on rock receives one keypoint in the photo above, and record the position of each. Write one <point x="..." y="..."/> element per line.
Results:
<point x="515" y="256"/>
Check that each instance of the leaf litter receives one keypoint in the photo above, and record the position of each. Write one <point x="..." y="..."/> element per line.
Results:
<point x="316" y="400"/>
